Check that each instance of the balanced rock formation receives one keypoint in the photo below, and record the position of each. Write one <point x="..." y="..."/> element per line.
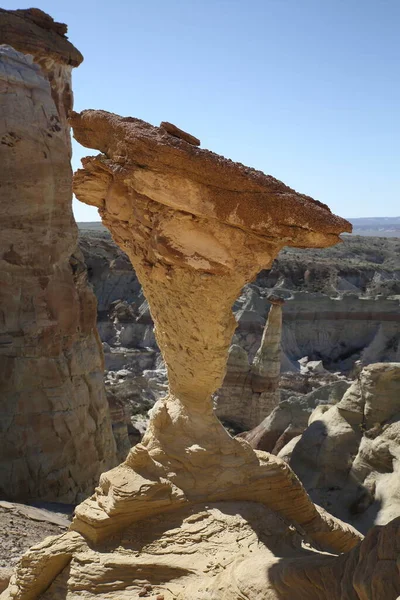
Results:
<point x="193" y="244"/>
<point x="251" y="391"/>
<point x="56" y="435"/>
<point x="349" y="456"/>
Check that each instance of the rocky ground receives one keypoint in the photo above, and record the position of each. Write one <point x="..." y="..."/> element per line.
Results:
<point x="23" y="526"/>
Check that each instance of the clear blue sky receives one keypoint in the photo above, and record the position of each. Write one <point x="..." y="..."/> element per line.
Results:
<point x="305" y="90"/>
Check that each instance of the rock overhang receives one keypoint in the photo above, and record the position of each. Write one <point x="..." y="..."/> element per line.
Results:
<point x="32" y="31"/>
<point x="140" y="160"/>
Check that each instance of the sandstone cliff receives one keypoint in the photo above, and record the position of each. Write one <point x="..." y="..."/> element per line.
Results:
<point x="55" y="425"/>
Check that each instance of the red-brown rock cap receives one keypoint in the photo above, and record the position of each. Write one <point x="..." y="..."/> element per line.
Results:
<point x="219" y="188"/>
<point x="33" y="31"/>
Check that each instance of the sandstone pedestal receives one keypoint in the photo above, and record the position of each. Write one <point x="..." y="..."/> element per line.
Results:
<point x="196" y="228"/>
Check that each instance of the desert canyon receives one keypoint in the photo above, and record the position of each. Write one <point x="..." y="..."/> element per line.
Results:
<point x="222" y="422"/>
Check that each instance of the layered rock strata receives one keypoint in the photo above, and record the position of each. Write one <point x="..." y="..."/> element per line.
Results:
<point x="34" y="32"/>
<point x="250" y="391"/>
<point x="217" y="551"/>
<point x="341" y="303"/>
<point x="55" y="425"/>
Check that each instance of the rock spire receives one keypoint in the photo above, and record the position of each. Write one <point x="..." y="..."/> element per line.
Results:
<point x="251" y="390"/>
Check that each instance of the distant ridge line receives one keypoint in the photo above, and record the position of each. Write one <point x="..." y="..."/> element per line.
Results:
<point x="368" y="226"/>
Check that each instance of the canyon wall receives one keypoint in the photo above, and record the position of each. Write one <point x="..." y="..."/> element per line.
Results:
<point x="55" y="424"/>
<point x="321" y="319"/>
<point x="346" y="308"/>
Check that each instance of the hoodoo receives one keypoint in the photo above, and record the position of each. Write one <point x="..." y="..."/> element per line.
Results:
<point x="196" y="227"/>
<point x="251" y="390"/>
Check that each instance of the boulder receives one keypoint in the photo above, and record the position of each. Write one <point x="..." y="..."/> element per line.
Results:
<point x="291" y="416"/>
<point x="348" y="457"/>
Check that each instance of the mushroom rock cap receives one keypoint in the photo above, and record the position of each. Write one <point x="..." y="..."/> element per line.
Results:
<point x="170" y="171"/>
<point x="32" y="31"/>
<point x="275" y="299"/>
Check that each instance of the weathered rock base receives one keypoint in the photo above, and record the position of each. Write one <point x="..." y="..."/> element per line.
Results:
<point x="202" y="464"/>
<point x="210" y="551"/>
